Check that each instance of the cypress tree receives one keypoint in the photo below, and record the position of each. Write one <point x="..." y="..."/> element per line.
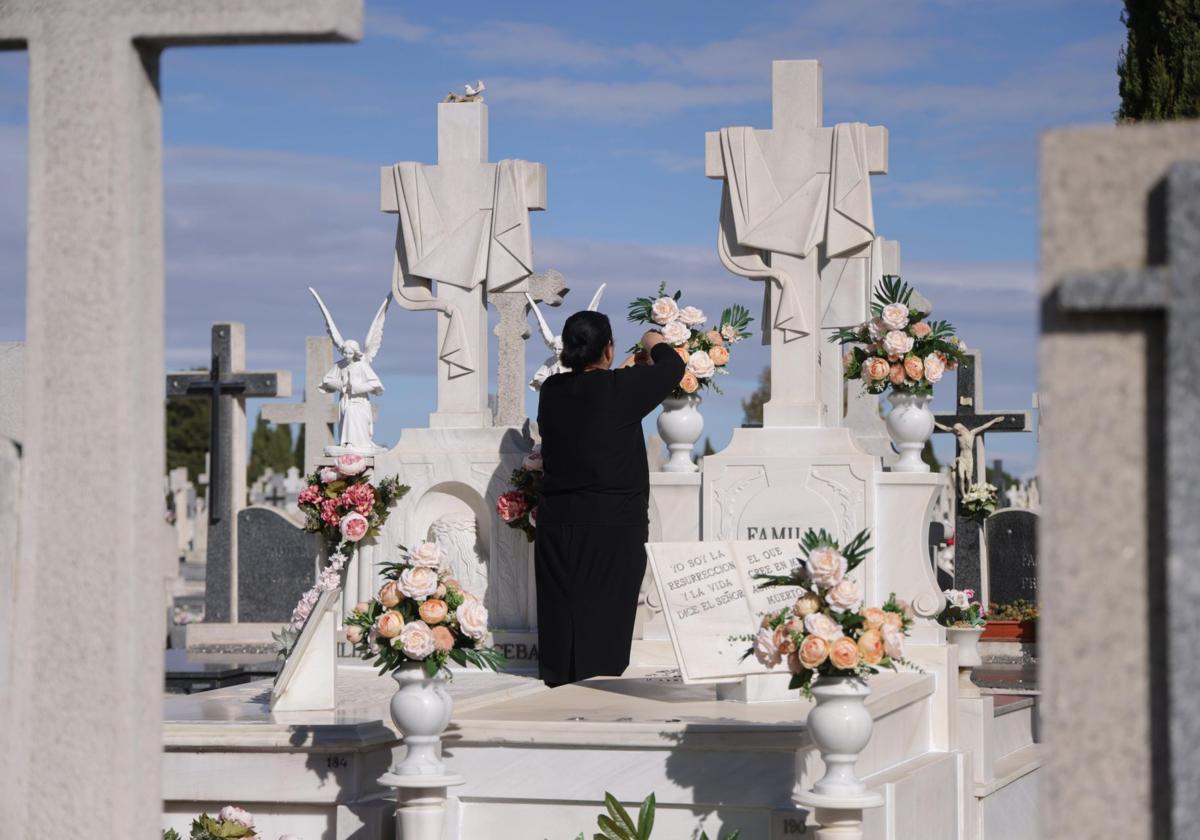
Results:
<point x="1159" y="67"/>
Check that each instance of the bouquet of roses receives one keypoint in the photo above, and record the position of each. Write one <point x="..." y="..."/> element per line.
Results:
<point x="517" y="508"/>
<point x="828" y="632"/>
<point x="980" y="500"/>
<point x="898" y="348"/>
<point x="960" y="610"/>
<point x="705" y="352"/>
<point x="231" y="822"/>
<point x="341" y="504"/>
<point x="421" y="615"/>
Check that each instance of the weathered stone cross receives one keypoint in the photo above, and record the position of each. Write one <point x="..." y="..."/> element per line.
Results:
<point x="226" y="385"/>
<point x="318" y="412"/>
<point x="512" y="331"/>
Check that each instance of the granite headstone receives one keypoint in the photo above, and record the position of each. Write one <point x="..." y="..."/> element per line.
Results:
<point x="1012" y="556"/>
<point x="277" y="563"/>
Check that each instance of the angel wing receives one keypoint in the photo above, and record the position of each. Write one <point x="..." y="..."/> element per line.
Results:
<point x="595" y="304"/>
<point x="330" y="327"/>
<point x="375" y="334"/>
<point x="547" y="333"/>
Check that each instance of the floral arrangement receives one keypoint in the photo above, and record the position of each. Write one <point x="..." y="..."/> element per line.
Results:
<point x="517" y="507"/>
<point x="898" y="348"/>
<point x="828" y="631"/>
<point x="421" y="614"/>
<point x="960" y="610"/>
<point x="705" y="352"/>
<point x="980" y="500"/>
<point x="231" y="822"/>
<point x="342" y="505"/>
<point x="1018" y="610"/>
<point x="617" y="824"/>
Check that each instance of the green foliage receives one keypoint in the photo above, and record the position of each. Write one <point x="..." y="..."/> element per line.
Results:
<point x="617" y="823"/>
<point x="270" y="446"/>
<point x="855" y="552"/>
<point x="188" y="434"/>
<point x="1019" y="610"/>
<point x="738" y="317"/>
<point x="640" y="309"/>
<point x="891" y="290"/>
<point x="171" y="834"/>
<point x="752" y="406"/>
<point x="1159" y="66"/>
<point x="205" y="827"/>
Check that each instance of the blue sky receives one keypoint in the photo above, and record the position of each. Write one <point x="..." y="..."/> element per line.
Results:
<point x="272" y="157"/>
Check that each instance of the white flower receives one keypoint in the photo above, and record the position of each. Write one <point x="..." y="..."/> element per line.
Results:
<point x="958" y="599"/>
<point x="826" y="566"/>
<point x="676" y="332"/>
<point x="728" y="332"/>
<point x="418" y="582"/>
<point x="894" y="316"/>
<point x="426" y="554"/>
<point x="232" y="813"/>
<point x="822" y="625"/>
<point x="935" y="368"/>
<point x="893" y="641"/>
<point x="844" y="596"/>
<point x="876" y="329"/>
<point x="691" y="316"/>
<point x="765" y="650"/>
<point x="472" y="618"/>
<point x="416" y="640"/>
<point x="664" y="310"/>
<point x="897" y="343"/>
<point x="700" y="365"/>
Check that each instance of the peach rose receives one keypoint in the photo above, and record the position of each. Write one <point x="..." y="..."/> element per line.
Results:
<point x="353" y="634"/>
<point x="914" y="367"/>
<point x="826" y="566"/>
<point x="389" y="624"/>
<point x="719" y="356"/>
<point x="876" y="369"/>
<point x="783" y="641"/>
<point x="896" y="374"/>
<point x="870" y="647"/>
<point x="874" y="617"/>
<point x="433" y="611"/>
<point x="715" y="338"/>
<point x="894" y="316"/>
<point x="440" y="592"/>
<point x="921" y="329"/>
<point x="935" y="367"/>
<point x="664" y="310"/>
<point x="443" y="639"/>
<point x="813" y="651"/>
<point x="689" y="383"/>
<point x="893" y="641"/>
<point x="844" y="654"/>
<point x="390" y="595"/>
<point x="893" y="619"/>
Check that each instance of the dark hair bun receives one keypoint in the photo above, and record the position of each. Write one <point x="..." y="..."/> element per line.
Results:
<point x="585" y="335"/>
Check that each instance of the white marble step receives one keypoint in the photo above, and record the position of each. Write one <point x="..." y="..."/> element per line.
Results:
<point x="992" y="729"/>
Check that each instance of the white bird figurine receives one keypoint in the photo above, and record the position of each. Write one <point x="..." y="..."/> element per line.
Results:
<point x="554" y="364"/>
<point x="475" y="91"/>
<point x="355" y="382"/>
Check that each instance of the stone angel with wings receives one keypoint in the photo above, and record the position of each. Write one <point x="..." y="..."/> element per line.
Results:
<point x="554" y="364"/>
<point x="355" y="382"/>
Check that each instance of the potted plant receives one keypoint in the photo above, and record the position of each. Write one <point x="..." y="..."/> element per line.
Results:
<point x="1015" y="622"/>
<point x="964" y="625"/>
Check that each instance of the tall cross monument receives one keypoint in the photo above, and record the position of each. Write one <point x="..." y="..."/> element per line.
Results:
<point x="797" y="194"/>
<point x="93" y="397"/>
<point x="464" y="224"/>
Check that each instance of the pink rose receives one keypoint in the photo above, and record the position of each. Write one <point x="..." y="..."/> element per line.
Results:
<point x="416" y="640"/>
<point x="472" y="619"/>
<point x="389" y="624"/>
<point x="893" y="641"/>
<point x="354" y="526"/>
<point x="719" y="356"/>
<point x="844" y="596"/>
<point x="700" y="365"/>
<point x="935" y="367"/>
<point x="914" y="368"/>
<point x="310" y="495"/>
<point x="350" y="464"/>
<point x="765" y="649"/>
<point x="232" y="813"/>
<point x="897" y="343"/>
<point x="443" y="639"/>
<point x="896" y="374"/>
<point x="691" y="316"/>
<point x="329" y="512"/>
<point x="354" y="634"/>
<point x="844" y="654"/>
<point x="328" y="475"/>
<point x="418" y="582"/>
<point x="819" y="624"/>
<point x="359" y="497"/>
<point x="921" y="329"/>
<point x="511" y="506"/>
<point x="689" y="384"/>
<point x="715" y="338"/>
<point x="664" y="310"/>
<point x="433" y="611"/>
<point x="894" y="316"/>
<point x="676" y="333"/>
<point x="426" y="554"/>
<point x="876" y="368"/>
<point x="826" y="566"/>
<point x="870" y="647"/>
<point x="813" y="651"/>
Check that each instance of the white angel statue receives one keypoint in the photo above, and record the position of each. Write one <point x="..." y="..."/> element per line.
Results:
<point x="554" y="364"/>
<point x="354" y="381"/>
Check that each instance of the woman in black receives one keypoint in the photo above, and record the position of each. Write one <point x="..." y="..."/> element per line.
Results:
<point x="593" y="517"/>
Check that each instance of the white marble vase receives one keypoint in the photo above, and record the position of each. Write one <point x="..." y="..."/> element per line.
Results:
<point x="421" y="709"/>
<point x="909" y="424"/>
<point x="680" y="425"/>
<point x="840" y="726"/>
<point x="967" y="641"/>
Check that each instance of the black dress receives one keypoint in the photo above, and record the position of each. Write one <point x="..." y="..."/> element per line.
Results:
<point x="593" y="516"/>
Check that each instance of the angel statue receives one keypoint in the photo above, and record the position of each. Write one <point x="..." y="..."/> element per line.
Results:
<point x="354" y="381"/>
<point x="554" y="364"/>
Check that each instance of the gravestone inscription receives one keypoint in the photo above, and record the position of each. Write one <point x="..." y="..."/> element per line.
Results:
<point x="277" y="563"/>
<point x="1012" y="556"/>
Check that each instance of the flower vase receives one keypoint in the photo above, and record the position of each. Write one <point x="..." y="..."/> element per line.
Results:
<point x="967" y="641"/>
<point x="840" y="727"/>
<point x="680" y="425"/>
<point x="421" y="709"/>
<point x="909" y="424"/>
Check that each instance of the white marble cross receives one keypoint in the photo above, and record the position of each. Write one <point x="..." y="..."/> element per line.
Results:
<point x="796" y="194"/>
<point x="463" y="223"/>
<point x="318" y="412"/>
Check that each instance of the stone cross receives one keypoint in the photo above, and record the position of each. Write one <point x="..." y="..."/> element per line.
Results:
<point x="512" y="331"/>
<point x="969" y="571"/>
<point x="226" y="385"/>
<point x="782" y="189"/>
<point x="318" y="412"/>
<point x="95" y="345"/>
<point x="447" y="212"/>
<point x="1172" y="291"/>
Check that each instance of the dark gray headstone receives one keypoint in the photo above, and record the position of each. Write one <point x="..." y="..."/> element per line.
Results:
<point x="277" y="563"/>
<point x="1012" y="556"/>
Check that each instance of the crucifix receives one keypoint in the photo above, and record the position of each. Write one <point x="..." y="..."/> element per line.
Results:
<point x="318" y="412"/>
<point x="464" y="224"/>
<point x="226" y="385"/>
<point x="968" y="425"/>
<point x="796" y="195"/>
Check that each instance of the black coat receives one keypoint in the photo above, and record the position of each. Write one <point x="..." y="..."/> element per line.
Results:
<point x="593" y="517"/>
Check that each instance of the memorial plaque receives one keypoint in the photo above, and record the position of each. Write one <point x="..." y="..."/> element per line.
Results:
<point x="1012" y="556"/>
<point x="277" y="563"/>
<point x="708" y="595"/>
